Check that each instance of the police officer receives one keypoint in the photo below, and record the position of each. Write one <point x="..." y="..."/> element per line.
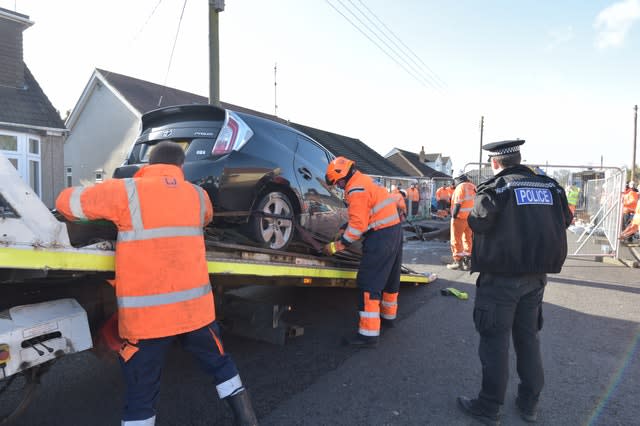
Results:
<point x="519" y="221"/>
<point x="373" y="217"/>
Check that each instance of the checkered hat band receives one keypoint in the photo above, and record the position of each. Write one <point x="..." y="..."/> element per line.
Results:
<point x="509" y="150"/>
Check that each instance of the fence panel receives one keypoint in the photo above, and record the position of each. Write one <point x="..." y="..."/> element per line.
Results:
<point x="598" y="214"/>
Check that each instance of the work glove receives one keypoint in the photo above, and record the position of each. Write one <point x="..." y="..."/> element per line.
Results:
<point x="333" y="247"/>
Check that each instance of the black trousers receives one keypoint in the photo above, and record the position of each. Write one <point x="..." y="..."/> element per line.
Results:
<point x="509" y="306"/>
<point x="381" y="262"/>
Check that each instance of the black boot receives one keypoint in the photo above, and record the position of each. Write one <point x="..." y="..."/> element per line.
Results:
<point x="240" y="405"/>
<point x="361" y="341"/>
<point x="387" y="323"/>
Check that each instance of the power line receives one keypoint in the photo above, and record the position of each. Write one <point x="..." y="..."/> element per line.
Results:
<point x="435" y="76"/>
<point x="175" y="40"/>
<point x="147" y="21"/>
<point x="398" y="54"/>
<point x="377" y="45"/>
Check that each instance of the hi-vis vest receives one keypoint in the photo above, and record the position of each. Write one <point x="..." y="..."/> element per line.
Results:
<point x="370" y="207"/>
<point x="464" y="194"/>
<point x="162" y="283"/>
<point x="572" y="196"/>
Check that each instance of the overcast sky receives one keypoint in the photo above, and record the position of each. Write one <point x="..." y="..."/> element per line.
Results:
<point x="564" y="75"/>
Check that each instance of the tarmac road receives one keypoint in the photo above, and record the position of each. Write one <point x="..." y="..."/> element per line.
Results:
<point x="590" y="347"/>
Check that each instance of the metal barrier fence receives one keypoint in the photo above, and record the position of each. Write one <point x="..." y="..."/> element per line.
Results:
<point x="426" y="186"/>
<point x="598" y="214"/>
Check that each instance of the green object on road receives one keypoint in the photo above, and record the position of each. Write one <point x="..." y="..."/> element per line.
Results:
<point x="450" y="291"/>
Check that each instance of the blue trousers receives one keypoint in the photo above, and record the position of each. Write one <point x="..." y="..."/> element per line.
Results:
<point x="143" y="370"/>
<point x="381" y="263"/>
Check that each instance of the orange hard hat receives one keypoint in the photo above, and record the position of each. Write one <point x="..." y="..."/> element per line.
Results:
<point x="338" y="169"/>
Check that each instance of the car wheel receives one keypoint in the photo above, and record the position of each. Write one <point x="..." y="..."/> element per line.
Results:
<point x="273" y="222"/>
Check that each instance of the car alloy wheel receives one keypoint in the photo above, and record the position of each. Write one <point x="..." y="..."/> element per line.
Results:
<point x="273" y="221"/>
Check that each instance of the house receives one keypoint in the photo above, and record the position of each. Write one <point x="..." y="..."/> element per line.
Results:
<point x="31" y="130"/>
<point x="413" y="165"/>
<point x="106" y="120"/>
<point x="437" y="162"/>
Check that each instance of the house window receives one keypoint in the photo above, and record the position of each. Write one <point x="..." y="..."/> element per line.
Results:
<point x="34" y="175"/>
<point x="34" y="146"/>
<point x="99" y="175"/>
<point x="23" y="151"/>
<point x="69" y="176"/>
<point x="8" y="143"/>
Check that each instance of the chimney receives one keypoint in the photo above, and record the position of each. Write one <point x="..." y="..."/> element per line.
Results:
<point x="12" y="24"/>
<point x="422" y="156"/>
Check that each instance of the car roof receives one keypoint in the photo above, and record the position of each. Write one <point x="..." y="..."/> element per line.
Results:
<point x="207" y="112"/>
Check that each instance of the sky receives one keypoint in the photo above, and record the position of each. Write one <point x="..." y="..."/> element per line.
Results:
<point x="563" y="75"/>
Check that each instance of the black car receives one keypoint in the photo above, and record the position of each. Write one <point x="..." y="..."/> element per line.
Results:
<point x="263" y="177"/>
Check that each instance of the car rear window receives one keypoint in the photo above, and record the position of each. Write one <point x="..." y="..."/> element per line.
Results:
<point x="194" y="149"/>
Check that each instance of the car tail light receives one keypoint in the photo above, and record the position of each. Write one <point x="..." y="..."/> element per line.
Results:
<point x="233" y="135"/>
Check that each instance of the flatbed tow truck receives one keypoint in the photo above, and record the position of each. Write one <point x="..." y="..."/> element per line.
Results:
<point x="55" y="297"/>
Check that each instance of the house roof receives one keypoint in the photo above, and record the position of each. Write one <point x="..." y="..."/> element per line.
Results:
<point x="145" y="96"/>
<point x="425" y="170"/>
<point x="28" y="106"/>
<point x="431" y="157"/>
<point x="367" y="160"/>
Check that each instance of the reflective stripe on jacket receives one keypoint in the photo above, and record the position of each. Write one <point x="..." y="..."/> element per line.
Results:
<point x="464" y="195"/>
<point x="370" y="207"/>
<point x="162" y="282"/>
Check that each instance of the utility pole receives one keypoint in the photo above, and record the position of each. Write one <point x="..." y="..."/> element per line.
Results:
<point x="635" y="134"/>
<point x="480" y="155"/>
<point x="275" y="89"/>
<point x="215" y="7"/>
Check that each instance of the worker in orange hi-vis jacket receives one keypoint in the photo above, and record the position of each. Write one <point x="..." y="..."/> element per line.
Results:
<point x="629" y="203"/>
<point x="632" y="228"/>
<point x="373" y="217"/>
<point x="413" y="197"/>
<point x="400" y="204"/>
<point x="443" y="197"/>
<point x="162" y="280"/>
<point x="461" y="234"/>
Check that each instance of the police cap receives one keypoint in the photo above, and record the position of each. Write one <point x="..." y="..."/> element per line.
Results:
<point x="503" y="147"/>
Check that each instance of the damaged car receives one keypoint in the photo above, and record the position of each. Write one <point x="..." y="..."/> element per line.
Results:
<point x="265" y="179"/>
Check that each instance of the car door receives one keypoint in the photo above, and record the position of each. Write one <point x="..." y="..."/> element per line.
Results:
<point x="324" y="209"/>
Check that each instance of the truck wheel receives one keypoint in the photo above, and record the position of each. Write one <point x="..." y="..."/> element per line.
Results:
<point x="272" y="221"/>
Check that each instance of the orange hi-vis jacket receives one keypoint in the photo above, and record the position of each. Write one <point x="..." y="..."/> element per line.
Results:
<point x="413" y="194"/>
<point x="369" y="206"/>
<point x="629" y="201"/>
<point x="401" y="205"/>
<point x="464" y="195"/>
<point x="162" y="282"/>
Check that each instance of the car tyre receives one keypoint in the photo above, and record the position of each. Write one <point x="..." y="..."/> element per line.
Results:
<point x="272" y="221"/>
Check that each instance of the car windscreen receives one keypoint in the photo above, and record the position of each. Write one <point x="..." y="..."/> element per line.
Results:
<point x="194" y="149"/>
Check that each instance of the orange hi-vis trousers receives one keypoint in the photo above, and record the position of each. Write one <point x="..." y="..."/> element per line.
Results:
<point x="461" y="238"/>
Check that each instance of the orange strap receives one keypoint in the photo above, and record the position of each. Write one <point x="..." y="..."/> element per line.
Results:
<point x="128" y="349"/>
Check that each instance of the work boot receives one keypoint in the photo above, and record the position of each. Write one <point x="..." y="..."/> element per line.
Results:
<point x="528" y="411"/>
<point x="456" y="264"/>
<point x="240" y="405"/>
<point x="472" y="408"/>
<point x="387" y="323"/>
<point x="466" y="263"/>
<point x="361" y="341"/>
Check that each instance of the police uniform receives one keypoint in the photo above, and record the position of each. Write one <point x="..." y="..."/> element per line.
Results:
<point x="519" y="221"/>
